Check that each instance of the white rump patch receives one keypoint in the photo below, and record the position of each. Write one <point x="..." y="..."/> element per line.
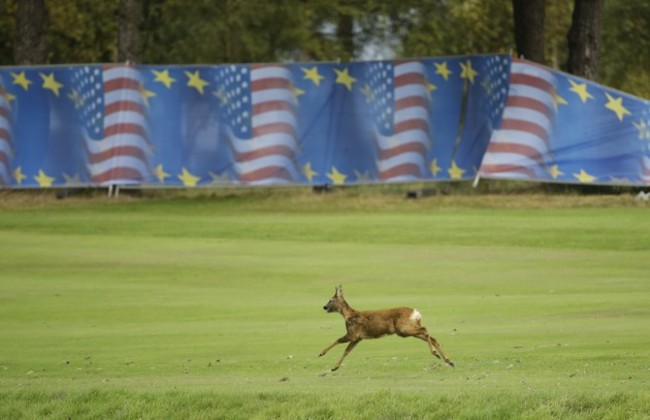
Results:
<point x="416" y="316"/>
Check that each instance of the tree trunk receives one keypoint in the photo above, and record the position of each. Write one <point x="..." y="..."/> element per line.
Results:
<point x="345" y="36"/>
<point x="529" y="29"/>
<point x="29" y="45"/>
<point x="584" y="38"/>
<point x="128" y="42"/>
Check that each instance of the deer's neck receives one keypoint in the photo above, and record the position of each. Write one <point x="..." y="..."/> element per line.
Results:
<point x="347" y="311"/>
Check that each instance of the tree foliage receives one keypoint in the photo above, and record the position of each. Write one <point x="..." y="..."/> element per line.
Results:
<point x="240" y="31"/>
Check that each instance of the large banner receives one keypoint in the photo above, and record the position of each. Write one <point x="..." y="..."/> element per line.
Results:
<point x="437" y="119"/>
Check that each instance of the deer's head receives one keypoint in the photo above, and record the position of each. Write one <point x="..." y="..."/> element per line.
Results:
<point x="337" y="302"/>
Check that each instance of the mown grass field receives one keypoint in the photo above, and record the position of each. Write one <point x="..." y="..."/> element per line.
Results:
<point x="211" y="306"/>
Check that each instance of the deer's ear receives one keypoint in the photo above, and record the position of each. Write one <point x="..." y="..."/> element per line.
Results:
<point x="339" y="290"/>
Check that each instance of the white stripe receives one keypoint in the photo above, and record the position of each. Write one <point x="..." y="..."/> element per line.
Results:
<point x="243" y="168"/>
<point x="272" y="117"/>
<point x="4" y="123"/>
<point x="405" y="137"/>
<point x="123" y="95"/>
<point x="118" y="162"/>
<point x="530" y="70"/>
<point x="4" y="174"/>
<point x="116" y="140"/>
<point x="526" y="114"/>
<point x="5" y="148"/>
<point x="270" y="72"/>
<point x="411" y="113"/>
<point x="268" y="95"/>
<point x="401" y="178"/>
<point x="519" y="137"/>
<point x="401" y="159"/>
<point x="261" y="142"/>
<point x="409" y="67"/>
<point x="124" y="117"/>
<point x="502" y="158"/>
<point x="121" y="73"/>
<point x="528" y="91"/>
<point x="411" y="90"/>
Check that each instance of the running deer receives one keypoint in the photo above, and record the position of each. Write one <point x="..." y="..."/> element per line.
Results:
<point x="404" y="322"/>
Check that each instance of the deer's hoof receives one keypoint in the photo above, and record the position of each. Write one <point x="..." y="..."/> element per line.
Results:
<point x="450" y="363"/>
<point x="334" y="368"/>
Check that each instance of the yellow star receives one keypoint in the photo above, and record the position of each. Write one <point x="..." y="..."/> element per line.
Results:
<point x="468" y="72"/>
<point x="195" y="81"/>
<point x="584" y="177"/>
<point x="309" y="172"/>
<point x="50" y="83"/>
<point x="76" y="98"/>
<point x="344" y="78"/>
<point x="312" y="74"/>
<point x="455" y="172"/>
<point x="146" y="94"/>
<point x="160" y="173"/>
<point x="336" y="177"/>
<point x="368" y="93"/>
<point x="43" y="180"/>
<point x="8" y="96"/>
<point x="434" y="167"/>
<point x="558" y="100"/>
<point x="430" y="88"/>
<point x="580" y="89"/>
<point x="555" y="171"/>
<point x="363" y="177"/>
<point x="616" y="105"/>
<point x="164" y="78"/>
<point x="442" y="70"/>
<point x="19" y="176"/>
<point x="188" y="179"/>
<point x="21" y="80"/>
<point x="296" y="93"/>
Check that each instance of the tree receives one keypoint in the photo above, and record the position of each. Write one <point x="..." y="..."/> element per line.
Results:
<point x="29" y="43"/>
<point x="529" y="28"/>
<point x="584" y="38"/>
<point x="128" y="41"/>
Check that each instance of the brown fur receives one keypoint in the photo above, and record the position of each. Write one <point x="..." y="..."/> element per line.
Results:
<point x="361" y="325"/>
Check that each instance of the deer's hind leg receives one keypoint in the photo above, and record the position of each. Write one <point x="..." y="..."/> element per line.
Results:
<point x="434" y="346"/>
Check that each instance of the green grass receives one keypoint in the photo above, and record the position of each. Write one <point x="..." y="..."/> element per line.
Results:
<point x="211" y="306"/>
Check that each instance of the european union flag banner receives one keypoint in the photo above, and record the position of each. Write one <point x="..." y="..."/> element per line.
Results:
<point x="560" y="128"/>
<point x="434" y="119"/>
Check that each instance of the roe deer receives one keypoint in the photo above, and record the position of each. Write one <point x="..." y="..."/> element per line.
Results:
<point x="404" y="322"/>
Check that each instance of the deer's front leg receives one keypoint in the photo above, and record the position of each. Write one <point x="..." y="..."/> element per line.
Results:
<point x="347" y="351"/>
<point x="341" y="340"/>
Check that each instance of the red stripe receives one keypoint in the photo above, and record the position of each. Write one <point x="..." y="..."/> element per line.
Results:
<point x="5" y="134"/>
<point x="410" y="79"/>
<point x="401" y="170"/>
<point x="124" y="106"/>
<point x="120" y="173"/>
<point x="267" y="151"/>
<point x="118" y="151"/>
<point x="264" y="173"/>
<point x="529" y="103"/>
<point x="273" y="128"/>
<point x="496" y="169"/>
<point x="4" y="112"/>
<point x="415" y="124"/>
<point x="121" y="83"/>
<point x="4" y="159"/>
<point x="534" y="81"/>
<point x="411" y="101"/>
<point x="125" y="128"/>
<point x="405" y="148"/>
<point x="526" y="126"/>
<point x="271" y="106"/>
<point x="518" y="149"/>
<point x="271" y="83"/>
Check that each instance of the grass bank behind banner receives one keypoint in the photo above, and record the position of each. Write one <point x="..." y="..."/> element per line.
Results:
<point x="211" y="306"/>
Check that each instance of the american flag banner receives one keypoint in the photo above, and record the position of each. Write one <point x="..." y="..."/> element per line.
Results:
<point x="262" y="123"/>
<point x="6" y="152"/>
<point x="643" y="128"/>
<point x="399" y="102"/>
<point x="113" y="110"/>
<point x="520" y="147"/>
